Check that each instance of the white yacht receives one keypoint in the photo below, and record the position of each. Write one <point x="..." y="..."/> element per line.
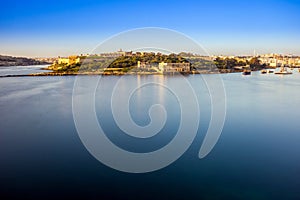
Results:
<point x="283" y="70"/>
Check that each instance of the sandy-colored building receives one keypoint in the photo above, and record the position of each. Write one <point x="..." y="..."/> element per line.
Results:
<point x="174" y="67"/>
<point x="69" y="61"/>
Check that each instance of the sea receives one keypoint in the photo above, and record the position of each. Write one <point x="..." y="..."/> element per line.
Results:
<point x="43" y="155"/>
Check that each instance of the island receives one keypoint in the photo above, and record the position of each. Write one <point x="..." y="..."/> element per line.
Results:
<point x="148" y="63"/>
<point x="120" y="63"/>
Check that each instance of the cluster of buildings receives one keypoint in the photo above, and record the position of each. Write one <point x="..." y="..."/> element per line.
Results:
<point x="69" y="60"/>
<point x="271" y="60"/>
<point x="120" y="52"/>
<point x="46" y="59"/>
<point x="277" y="60"/>
<point x="174" y="67"/>
<point x="163" y="67"/>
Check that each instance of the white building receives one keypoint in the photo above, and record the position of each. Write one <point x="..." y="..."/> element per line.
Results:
<point x="174" y="67"/>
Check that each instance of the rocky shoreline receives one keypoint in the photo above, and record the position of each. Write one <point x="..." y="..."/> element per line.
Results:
<point x="115" y="73"/>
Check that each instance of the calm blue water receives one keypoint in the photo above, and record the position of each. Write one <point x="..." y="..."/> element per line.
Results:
<point x="256" y="157"/>
<point x="21" y="70"/>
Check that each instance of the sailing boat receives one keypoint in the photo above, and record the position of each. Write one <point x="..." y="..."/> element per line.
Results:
<point x="283" y="70"/>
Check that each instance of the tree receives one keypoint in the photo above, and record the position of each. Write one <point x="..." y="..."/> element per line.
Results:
<point x="220" y="63"/>
<point x="255" y="63"/>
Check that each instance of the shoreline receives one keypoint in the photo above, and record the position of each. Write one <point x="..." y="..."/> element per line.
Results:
<point x="222" y="71"/>
<point x="112" y="73"/>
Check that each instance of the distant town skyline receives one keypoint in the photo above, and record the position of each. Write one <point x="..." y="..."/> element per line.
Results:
<point x="110" y="52"/>
<point x="60" y="28"/>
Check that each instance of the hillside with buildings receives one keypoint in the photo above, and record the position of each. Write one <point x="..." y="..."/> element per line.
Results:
<point x="119" y="63"/>
<point x="122" y="62"/>
<point x="268" y="60"/>
<point x="19" y="61"/>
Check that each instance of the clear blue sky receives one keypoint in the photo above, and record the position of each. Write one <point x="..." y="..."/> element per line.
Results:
<point x="52" y="28"/>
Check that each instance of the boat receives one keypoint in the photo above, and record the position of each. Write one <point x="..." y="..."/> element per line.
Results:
<point x="283" y="71"/>
<point x="267" y="71"/>
<point x="263" y="71"/>
<point x="247" y="72"/>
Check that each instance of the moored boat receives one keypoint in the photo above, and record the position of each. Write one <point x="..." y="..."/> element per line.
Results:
<point x="263" y="71"/>
<point x="283" y="71"/>
<point x="246" y="72"/>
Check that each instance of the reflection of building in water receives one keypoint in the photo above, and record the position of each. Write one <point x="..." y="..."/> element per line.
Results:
<point x="174" y="67"/>
<point x="161" y="84"/>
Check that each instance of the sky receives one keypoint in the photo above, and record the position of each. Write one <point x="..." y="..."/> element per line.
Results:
<point x="59" y="28"/>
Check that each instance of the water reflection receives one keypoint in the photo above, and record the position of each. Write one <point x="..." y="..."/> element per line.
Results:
<point x="255" y="158"/>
